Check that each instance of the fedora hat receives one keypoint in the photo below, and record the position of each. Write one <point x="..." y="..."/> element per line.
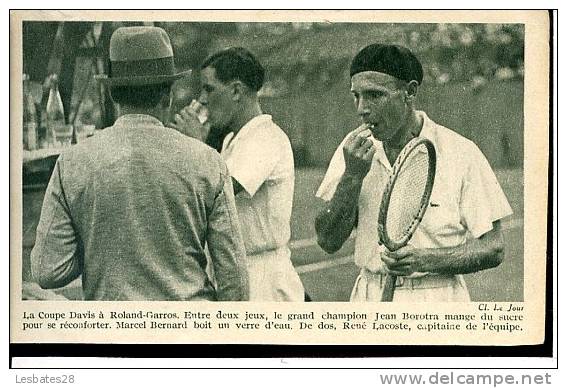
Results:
<point x="140" y="56"/>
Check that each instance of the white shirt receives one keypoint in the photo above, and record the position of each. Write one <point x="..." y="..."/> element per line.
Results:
<point x="466" y="197"/>
<point x="260" y="158"/>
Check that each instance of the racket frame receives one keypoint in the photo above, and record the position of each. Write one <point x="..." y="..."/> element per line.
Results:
<point x="390" y="280"/>
<point x="398" y="164"/>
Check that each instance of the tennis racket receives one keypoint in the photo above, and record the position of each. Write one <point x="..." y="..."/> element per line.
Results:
<point x="405" y="199"/>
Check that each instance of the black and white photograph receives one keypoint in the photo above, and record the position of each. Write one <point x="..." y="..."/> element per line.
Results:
<point x="128" y="214"/>
<point x="364" y="163"/>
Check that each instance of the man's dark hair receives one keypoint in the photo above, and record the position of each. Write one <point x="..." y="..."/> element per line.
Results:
<point x="142" y="96"/>
<point x="237" y="63"/>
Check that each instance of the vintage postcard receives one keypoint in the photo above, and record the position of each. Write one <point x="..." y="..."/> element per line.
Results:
<point x="279" y="177"/>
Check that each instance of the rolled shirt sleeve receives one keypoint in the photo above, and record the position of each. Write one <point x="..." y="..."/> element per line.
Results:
<point x="482" y="199"/>
<point x="333" y="175"/>
<point x="252" y="161"/>
<point x="57" y="257"/>
<point x="226" y="246"/>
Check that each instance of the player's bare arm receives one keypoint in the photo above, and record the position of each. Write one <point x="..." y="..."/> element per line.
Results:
<point x="475" y="255"/>
<point x="337" y="219"/>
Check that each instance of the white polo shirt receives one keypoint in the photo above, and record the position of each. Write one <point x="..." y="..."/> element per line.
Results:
<point x="261" y="160"/>
<point x="466" y="197"/>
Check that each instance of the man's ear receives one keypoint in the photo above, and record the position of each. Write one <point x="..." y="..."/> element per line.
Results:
<point x="238" y="90"/>
<point x="411" y="89"/>
<point x="167" y="99"/>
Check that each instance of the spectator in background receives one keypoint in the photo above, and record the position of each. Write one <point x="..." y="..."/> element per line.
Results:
<point x="260" y="160"/>
<point x="132" y="208"/>
<point x="460" y="232"/>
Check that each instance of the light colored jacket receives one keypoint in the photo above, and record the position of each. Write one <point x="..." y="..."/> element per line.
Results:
<point x="132" y="209"/>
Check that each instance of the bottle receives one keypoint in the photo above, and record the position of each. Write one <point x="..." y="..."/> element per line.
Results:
<point x="42" y="133"/>
<point x="56" y="132"/>
<point x="29" y="117"/>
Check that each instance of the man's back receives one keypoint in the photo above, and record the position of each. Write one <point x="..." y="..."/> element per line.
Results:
<point x="140" y="196"/>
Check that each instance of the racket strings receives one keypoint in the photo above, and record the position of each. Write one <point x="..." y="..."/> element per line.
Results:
<point x="407" y="194"/>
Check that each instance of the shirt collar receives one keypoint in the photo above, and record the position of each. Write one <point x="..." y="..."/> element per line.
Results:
<point x="248" y="129"/>
<point x="137" y="119"/>
<point x="427" y="131"/>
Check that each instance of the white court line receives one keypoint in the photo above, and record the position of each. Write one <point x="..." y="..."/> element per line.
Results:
<point x="324" y="264"/>
<point x="307" y="242"/>
<point x="304" y="243"/>
<point x="330" y="263"/>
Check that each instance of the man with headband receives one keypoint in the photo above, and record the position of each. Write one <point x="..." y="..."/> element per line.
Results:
<point x="460" y="232"/>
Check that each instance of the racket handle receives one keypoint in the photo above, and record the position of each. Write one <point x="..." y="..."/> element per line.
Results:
<point x="388" y="289"/>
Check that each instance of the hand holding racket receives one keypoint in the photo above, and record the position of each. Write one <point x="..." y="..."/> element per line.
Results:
<point x="405" y="199"/>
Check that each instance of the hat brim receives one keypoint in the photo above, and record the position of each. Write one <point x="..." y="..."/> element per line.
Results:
<point x="140" y="80"/>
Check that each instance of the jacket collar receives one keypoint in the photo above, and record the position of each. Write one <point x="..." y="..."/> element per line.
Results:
<point x="137" y="119"/>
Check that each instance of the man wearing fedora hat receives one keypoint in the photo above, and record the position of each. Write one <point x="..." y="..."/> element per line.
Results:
<point x="132" y="209"/>
<point x="460" y="232"/>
